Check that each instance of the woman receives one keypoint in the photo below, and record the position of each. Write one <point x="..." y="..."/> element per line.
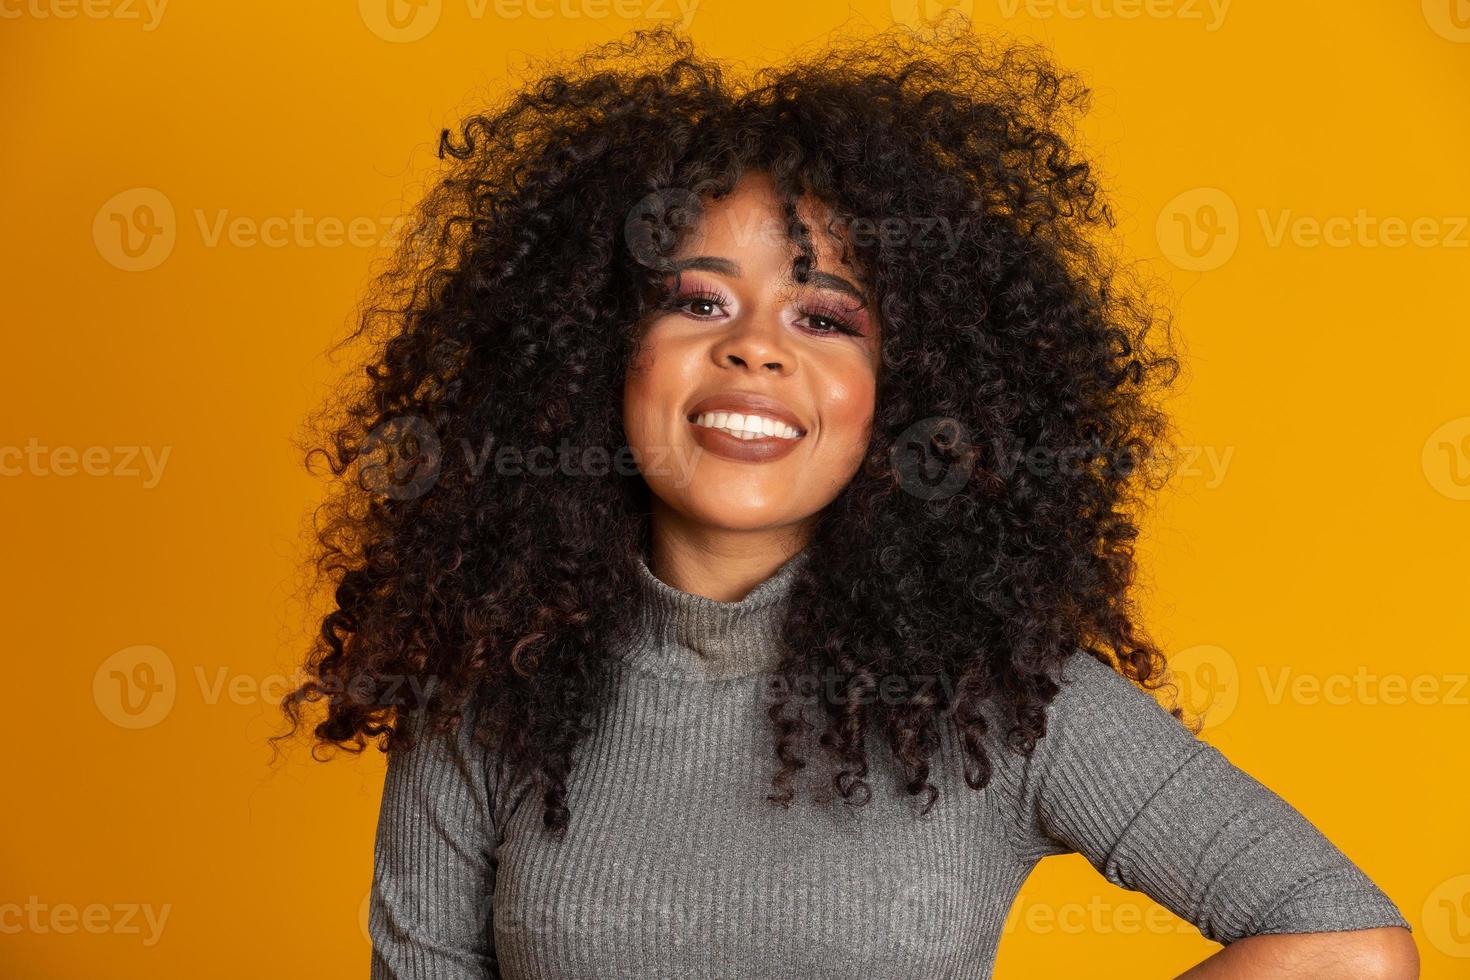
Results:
<point x="805" y="681"/>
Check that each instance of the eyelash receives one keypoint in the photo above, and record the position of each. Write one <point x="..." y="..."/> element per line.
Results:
<point x="843" y="324"/>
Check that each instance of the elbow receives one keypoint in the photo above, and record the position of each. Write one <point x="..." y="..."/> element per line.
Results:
<point x="1389" y="953"/>
<point x="1398" y="955"/>
<point x="1381" y="953"/>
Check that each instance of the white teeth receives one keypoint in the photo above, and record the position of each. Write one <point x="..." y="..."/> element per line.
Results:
<point x="746" y="426"/>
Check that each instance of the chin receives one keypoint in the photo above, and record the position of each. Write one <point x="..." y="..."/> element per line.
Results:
<point x="730" y="508"/>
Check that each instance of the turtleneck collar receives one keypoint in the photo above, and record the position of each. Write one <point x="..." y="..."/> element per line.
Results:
<point x="694" y="637"/>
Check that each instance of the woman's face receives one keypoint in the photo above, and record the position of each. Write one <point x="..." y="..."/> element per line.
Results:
<point x="743" y="344"/>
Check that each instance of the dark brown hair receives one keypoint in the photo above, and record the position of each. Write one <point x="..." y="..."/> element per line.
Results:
<point x="989" y="532"/>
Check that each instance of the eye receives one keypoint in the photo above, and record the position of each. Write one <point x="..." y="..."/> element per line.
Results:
<point x="706" y="303"/>
<point x="696" y="303"/>
<point x="826" y="320"/>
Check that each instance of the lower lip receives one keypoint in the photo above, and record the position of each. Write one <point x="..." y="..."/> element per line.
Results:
<point x="763" y="450"/>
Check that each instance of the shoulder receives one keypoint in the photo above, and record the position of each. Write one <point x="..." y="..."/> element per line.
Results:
<point x="459" y="757"/>
<point x="1105" y="739"/>
<point x="1102" y="723"/>
<point x="1094" y="703"/>
<point x="1096" y="697"/>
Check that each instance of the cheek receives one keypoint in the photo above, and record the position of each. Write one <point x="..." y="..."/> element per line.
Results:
<point x="847" y="399"/>
<point x="652" y="387"/>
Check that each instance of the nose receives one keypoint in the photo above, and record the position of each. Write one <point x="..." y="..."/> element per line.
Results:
<point x="756" y="341"/>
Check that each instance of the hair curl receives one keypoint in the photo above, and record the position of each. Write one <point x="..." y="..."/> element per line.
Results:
<point x="510" y="314"/>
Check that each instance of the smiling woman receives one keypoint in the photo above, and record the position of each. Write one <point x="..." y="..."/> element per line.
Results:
<point x="811" y="688"/>
<point x="750" y="364"/>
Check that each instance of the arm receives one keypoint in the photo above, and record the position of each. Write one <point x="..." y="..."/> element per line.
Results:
<point x="1386" y="952"/>
<point x="430" y="912"/>
<point x="1157" y="810"/>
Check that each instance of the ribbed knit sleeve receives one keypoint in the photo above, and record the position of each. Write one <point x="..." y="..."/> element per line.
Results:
<point x="430" y="912"/>
<point x="1157" y="810"/>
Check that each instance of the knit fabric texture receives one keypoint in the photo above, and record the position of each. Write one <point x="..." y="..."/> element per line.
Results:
<point x="676" y="866"/>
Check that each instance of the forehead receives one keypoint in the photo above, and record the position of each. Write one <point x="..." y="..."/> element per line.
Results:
<point x="750" y="221"/>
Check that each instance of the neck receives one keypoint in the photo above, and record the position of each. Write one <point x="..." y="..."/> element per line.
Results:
<point x="735" y="633"/>
<point x="718" y="562"/>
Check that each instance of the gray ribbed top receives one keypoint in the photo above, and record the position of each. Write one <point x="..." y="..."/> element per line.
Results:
<point x="675" y="866"/>
<point x="692" y="636"/>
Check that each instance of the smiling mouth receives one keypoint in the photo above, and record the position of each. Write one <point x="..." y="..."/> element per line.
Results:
<point x="749" y="427"/>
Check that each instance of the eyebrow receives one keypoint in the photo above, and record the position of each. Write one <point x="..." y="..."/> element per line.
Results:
<point x="725" y="267"/>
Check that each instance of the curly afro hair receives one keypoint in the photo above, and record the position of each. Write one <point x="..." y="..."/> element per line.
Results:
<point x="988" y="533"/>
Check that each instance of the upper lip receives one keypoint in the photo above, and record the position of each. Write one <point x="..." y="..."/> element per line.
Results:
<point x="747" y="403"/>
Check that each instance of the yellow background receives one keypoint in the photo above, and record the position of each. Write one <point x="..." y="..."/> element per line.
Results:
<point x="1321" y="530"/>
